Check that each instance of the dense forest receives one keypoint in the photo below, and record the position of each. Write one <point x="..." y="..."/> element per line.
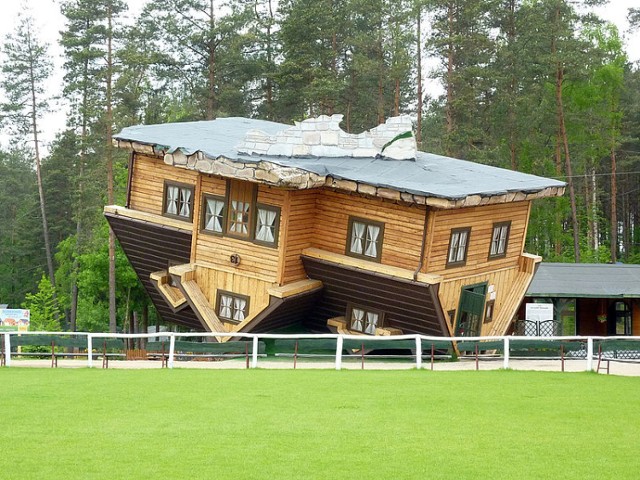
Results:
<point x="541" y="86"/>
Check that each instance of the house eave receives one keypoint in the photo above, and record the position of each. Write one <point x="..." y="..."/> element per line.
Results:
<point x="273" y="174"/>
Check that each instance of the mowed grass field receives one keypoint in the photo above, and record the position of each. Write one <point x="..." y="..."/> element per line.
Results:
<point x="261" y="424"/>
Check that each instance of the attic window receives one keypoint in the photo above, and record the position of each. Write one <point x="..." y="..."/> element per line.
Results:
<point x="178" y="200"/>
<point x="364" y="238"/>
<point x="458" y="243"/>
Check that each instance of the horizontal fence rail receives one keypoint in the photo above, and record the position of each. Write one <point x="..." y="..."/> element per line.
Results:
<point x="169" y="347"/>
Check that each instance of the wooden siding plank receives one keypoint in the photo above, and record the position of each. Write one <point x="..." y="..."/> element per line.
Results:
<point x="147" y="182"/>
<point x="481" y="220"/>
<point x="403" y="226"/>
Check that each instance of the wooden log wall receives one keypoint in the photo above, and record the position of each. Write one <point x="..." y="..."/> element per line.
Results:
<point x="481" y="220"/>
<point x="147" y="182"/>
<point x="403" y="226"/>
<point x="256" y="261"/>
<point x="210" y="281"/>
<point x="298" y="233"/>
<point x="508" y="284"/>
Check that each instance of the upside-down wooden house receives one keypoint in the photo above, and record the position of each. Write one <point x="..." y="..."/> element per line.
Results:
<point x="240" y="225"/>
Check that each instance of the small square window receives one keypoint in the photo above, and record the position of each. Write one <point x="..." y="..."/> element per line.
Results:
<point x="458" y="243"/>
<point x="213" y="214"/>
<point x="178" y="200"/>
<point x="363" y="319"/>
<point x="232" y="307"/>
<point x="365" y="238"/>
<point x="499" y="239"/>
<point x="267" y="220"/>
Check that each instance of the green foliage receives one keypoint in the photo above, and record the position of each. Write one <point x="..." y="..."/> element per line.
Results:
<point x="25" y="69"/>
<point x="21" y="255"/>
<point x="43" y="307"/>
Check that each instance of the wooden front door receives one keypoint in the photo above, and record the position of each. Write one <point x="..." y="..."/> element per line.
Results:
<point x="471" y="309"/>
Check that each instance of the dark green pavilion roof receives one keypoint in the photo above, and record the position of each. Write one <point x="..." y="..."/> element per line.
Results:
<point x="584" y="280"/>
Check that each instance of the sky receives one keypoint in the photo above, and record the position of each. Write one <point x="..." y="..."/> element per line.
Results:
<point x="50" y="21"/>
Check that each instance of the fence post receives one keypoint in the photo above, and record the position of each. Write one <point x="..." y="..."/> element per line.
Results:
<point x="506" y="353"/>
<point x="7" y="349"/>
<point x="89" y="351"/>
<point x="418" y="352"/>
<point x="339" y="353"/>
<point x="254" y="353"/>
<point x="590" y="354"/>
<point x="172" y="349"/>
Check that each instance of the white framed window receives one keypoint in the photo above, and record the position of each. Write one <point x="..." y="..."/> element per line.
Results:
<point x="232" y="307"/>
<point x="178" y="200"/>
<point x="499" y="239"/>
<point x="364" y="238"/>
<point x="363" y="319"/>
<point x="213" y="214"/>
<point x="458" y="244"/>
<point x="267" y="222"/>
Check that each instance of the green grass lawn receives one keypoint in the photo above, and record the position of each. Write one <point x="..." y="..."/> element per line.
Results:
<point x="230" y="424"/>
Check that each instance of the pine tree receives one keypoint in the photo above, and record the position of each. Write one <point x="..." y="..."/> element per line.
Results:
<point x="26" y="69"/>
<point x="21" y="252"/>
<point x="89" y="49"/>
<point x="203" y="62"/>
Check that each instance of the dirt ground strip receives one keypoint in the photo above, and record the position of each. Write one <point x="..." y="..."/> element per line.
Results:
<point x="615" y="367"/>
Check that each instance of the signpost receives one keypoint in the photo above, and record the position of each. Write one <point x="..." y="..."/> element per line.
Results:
<point x="537" y="312"/>
<point x="14" y="320"/>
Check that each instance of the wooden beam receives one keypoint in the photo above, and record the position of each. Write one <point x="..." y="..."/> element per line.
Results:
<point x="172" y="295"/>
<point x="149" y="217"/>
<point x="371" y="266"/>
<point x="197" y="203"/>
<point x="284" y="235"/>
<point x="294" y="288"/>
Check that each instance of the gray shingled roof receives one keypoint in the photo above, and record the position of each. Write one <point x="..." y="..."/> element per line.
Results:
<point x="576" y="280"/>
<point x="429" y="175"/>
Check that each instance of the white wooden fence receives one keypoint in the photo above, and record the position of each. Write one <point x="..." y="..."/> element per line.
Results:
<point x="504" y="344"/>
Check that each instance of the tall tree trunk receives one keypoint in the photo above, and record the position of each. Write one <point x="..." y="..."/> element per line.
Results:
<point x="73" y="318"/>
<point x="594" y="211"/>
<point x="562" y="132"/>
<point x="43" y="213"/>
<point x="567" y="160"/>
<point x="110" y="193"/>
<point x="396" y="99"/>
<point x="511" y="36"/>
<point x="449" y="86"/>
<point x="419" y="79"/>
<point x="211" y="67"/>
<point x="380" y="53"/>
<point x="614" y="202"/>
<point x="36" y="149"/>
<point x="557" y="241"/>
<point x="270" y="113"/>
